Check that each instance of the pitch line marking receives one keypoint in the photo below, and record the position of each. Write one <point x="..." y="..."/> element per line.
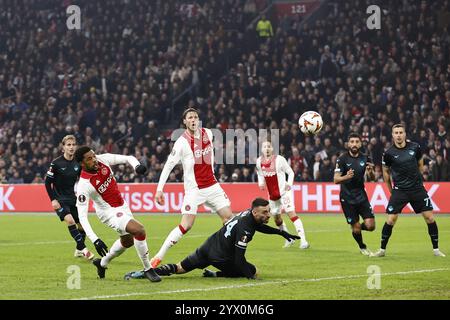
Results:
<point x="256" y="284"/>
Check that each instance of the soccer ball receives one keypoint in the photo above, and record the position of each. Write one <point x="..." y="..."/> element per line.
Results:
<point x="310" y="122"/>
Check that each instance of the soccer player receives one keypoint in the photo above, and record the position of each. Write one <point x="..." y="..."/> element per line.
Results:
<point x="195" y="151"/>
<point x="226" y="248"/>
<point x="60" y="182"/>
<point x="97" y="182"/>
<point x="351" y="169"/>
<point x="272" y="170"/>
<point x="403" y="160"/>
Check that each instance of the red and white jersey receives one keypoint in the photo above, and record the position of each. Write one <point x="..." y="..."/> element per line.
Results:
<point x="197" y="158"/>
<point x="102" y="188"/>
<point x="273" y="172"/>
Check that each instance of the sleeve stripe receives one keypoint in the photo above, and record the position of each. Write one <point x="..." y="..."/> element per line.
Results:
<point x="50" y="174"/>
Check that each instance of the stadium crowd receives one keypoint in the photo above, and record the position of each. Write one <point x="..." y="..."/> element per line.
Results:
<point x="112" y="83"/>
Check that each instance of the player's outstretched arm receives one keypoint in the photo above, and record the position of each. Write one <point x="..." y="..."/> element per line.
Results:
<point x="83" y="207"/>
<point x="173" y="159"/>
<point x="114" y="159"/>
<point x="263" y="228"/>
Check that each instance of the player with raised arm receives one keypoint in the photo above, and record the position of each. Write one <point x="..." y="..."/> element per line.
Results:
<point x="195" y="151"/>
<point x="351" y="169"/>
<point x="403" y="160"/>
<point x="97" y="182"/>
<point x="272" y="170"/>
<point x="226" y="248"/>
<point x="60" y="182"/>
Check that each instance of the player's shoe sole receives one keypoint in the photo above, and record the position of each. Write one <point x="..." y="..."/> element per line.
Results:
<point x="101" y="271"/>
<point x="151" y="275"/>
<point x="154" y="262"/>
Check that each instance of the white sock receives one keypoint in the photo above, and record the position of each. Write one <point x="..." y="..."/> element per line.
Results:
<point x="116" y="250"/>
<point x="299" y="227"/>
<point x="174" y="236"/>
<point x="142" y="251"/>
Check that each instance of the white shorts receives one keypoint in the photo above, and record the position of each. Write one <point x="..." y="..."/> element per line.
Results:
<point x="286" y="203"/>
<point x="213" y="197"/>
<point x="118" y="218"/>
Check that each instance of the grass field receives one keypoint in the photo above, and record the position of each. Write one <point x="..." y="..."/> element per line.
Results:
<point x="36" y="251"/>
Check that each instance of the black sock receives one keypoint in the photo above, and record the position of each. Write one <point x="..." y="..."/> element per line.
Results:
<point x="363" y="226"/>
<point x="434" y="234"/>
<point x="83" y="234"/>
<point x="385" y="235"/>
<point x="77" y="236"/>
<point x="359" y="240"/>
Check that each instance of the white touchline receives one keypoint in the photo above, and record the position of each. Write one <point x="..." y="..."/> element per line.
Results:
<point x="257" y="284"/>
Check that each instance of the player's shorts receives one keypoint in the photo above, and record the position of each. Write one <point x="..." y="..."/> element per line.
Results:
<point x="67" y="208"/>
<point x="213" y="197"/>
<point x="117" y="218"/>
<point x="199" y="260"/>
<point x="419" y="200"/>
<point x="286" y="203"/>
<point x="353" y="211"/>
<point x="196" y="260"/>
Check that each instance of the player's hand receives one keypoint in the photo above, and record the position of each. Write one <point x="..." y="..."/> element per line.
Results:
<point x="101" y="247"/>
<point x="289" y="236"/>
<point x="55" y="204"/>
<point x="141" y="169"/>
<point x="350" y="174"/>
<point x="159" y="198"/>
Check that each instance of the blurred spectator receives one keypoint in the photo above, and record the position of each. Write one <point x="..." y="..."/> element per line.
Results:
<point x="439" y="169"/>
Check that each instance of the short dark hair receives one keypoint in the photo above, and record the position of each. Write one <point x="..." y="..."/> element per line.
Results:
<point x="398" y="125"/>
<point x="80" y="152"/>
<point x="354" y="135"/>
<point x="259" y="202"/>
<point x="189" y="110"/>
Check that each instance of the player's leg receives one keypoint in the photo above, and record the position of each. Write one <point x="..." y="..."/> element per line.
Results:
<point x="275" y="211"/>
<point x="366" y="212"/>
<point x="196" y="260"/>
<point x="352" y="218"/>
<point x="119" y="246"/>
<point x="188" y="211"/>
<point x="399" y="199"/>
<point x="84" y="252"/>
<point x="80" y="250"/>
<point x="287" y="202"/>
<point x="421" y="203"/>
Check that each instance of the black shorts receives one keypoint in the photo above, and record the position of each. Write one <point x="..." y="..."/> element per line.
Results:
<point x="353" y="211"/>
<point x="419" y="200"/>
<point x="199" y="260"/>
<point x="67" y="208"/>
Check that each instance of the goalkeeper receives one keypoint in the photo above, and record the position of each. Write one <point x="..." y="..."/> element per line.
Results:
<point x="226" y="248"/>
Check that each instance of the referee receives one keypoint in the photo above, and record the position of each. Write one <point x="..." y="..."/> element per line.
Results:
<point x="60" y="181"/>
<point x="226" y="248"/>
<point x="404" y="162"/>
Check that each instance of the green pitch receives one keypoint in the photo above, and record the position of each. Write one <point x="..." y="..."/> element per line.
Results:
<point x="37" y="253"/>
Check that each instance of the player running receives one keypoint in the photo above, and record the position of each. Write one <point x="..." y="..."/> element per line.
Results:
<point x="272" y="170"/>
<point x="226" y="248"/>
<point x="195" y="151"/>
<point x="351" y="168"/>
<point x="404" y="161"/>
<point x="60" y="182"/>
<point x="97" y="182"/>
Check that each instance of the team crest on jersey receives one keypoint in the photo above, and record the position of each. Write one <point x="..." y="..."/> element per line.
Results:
<point x="390" y="208"/>
<point x="205" y="138"/>
<point x="187" y="208"/>
<point x="119" y="214"/>
<point x="76" y="168"/>
<point x="81" y="198"/>
<point x="104" y="171"/>
<point x="362" y="163"/>
<point x="411" y="152"/>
